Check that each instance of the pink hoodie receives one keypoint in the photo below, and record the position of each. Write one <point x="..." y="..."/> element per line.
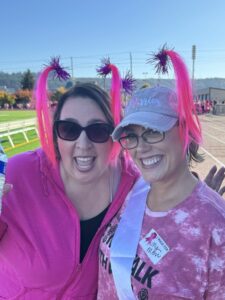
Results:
<point x="40" y="249"/>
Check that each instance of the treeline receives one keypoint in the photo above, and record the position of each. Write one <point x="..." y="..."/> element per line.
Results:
<point x="22" y="97"/>
<point x="12" y="82"/>
<point x="16" y="89"/>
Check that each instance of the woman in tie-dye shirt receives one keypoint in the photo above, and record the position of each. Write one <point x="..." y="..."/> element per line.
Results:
<point x="168" y="240"/>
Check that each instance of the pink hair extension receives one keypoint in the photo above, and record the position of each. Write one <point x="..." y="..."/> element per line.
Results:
<point x="43" y="115"/>
<point x="42" y="108"/>
<point x="115" y="93"/>
<point x="189" y="125"/>
<point x="115" y="107"/>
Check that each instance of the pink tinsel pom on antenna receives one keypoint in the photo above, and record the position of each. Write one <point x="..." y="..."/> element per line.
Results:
<point x="128" y="83"/>
<point x="105" y="68"/>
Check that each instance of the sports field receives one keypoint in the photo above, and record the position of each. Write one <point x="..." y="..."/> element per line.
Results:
<point x="18" y="139"/>
<point x="14" y="115"/>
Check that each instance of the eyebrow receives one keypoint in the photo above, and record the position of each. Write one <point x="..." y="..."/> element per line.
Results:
<point x="128" y="130"/>
<point x="92" y="121"/>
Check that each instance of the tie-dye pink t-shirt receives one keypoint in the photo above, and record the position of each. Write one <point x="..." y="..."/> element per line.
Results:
<point x="193" y="266"/>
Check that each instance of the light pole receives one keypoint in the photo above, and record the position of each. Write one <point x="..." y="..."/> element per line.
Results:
<point x="131" y="64"/>
<point x="71" y="63"/>
<point x="193" y="62"/>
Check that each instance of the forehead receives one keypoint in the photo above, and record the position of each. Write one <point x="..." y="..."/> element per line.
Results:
<point x="134" y="128"/>
<point x="82" y="108"/>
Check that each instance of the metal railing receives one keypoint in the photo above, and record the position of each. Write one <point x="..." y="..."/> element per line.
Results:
<point x="10" y="128"/>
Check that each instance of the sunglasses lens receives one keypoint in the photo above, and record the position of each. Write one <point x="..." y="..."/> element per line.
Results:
<point x="70" y="131"/>
<point x="67" y="130"/>
<point x="99" y="133"/>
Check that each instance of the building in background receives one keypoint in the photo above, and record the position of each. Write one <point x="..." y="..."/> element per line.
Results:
<point x="213" y="94"/>
<point x="210" y="98"/>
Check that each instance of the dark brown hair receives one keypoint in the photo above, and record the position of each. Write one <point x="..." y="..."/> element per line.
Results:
<point x="193" y="155"/>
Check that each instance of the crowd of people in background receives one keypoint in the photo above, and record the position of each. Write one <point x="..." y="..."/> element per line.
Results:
<point x="204" y="106"/>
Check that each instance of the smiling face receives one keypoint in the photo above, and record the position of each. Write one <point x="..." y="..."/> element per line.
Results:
<point x="160" y="161"/>
<point x="82" y="159"/>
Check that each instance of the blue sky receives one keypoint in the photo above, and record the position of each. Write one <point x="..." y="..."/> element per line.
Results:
<point x="87" y="30"/>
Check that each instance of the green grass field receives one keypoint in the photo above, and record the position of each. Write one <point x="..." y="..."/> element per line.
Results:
<point x="14" y="115"/>
<point x="18" y="139"/>
<point x="19" y="149"/>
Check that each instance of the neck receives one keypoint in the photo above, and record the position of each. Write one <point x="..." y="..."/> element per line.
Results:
<point x="90" y="198"/>
<point x="169" y="192"/>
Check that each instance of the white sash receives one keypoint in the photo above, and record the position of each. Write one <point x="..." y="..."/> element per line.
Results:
<point x="126" y="238"/>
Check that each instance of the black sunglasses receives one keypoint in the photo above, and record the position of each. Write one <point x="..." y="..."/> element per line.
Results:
<point x="70" y="131"/>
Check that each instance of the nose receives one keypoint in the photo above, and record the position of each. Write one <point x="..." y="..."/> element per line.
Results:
<point x="142" y="145"/>
<point x="83" y="141"/>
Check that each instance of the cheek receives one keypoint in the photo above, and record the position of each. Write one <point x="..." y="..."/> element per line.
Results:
<point x="104" y="150"/>
<point x="64" y="148"/>
<point x="60" y="146"/>
<point x="174" y="150"/>
<point x="132" y="153"/>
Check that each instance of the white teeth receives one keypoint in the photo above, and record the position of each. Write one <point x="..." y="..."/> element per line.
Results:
<point x="84" y="160"/>
<point x="151" y="161"/>
<point x="84" y="163"/>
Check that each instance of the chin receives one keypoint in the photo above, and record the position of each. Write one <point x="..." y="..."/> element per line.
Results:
<point x="152" y="178"/>
<point x="83" y="179"/>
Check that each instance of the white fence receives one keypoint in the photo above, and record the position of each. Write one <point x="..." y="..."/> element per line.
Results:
<point x="10" y="128"/>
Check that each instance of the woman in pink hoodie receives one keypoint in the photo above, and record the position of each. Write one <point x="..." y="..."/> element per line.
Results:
<point x="63" y="196"/>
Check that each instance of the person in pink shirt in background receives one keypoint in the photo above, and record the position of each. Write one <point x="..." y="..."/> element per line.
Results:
<point x="168" y="240"/>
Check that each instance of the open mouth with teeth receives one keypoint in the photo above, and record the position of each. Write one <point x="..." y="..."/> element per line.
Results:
<point x="152" y="161"/>
<point x="84" y="163"/>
